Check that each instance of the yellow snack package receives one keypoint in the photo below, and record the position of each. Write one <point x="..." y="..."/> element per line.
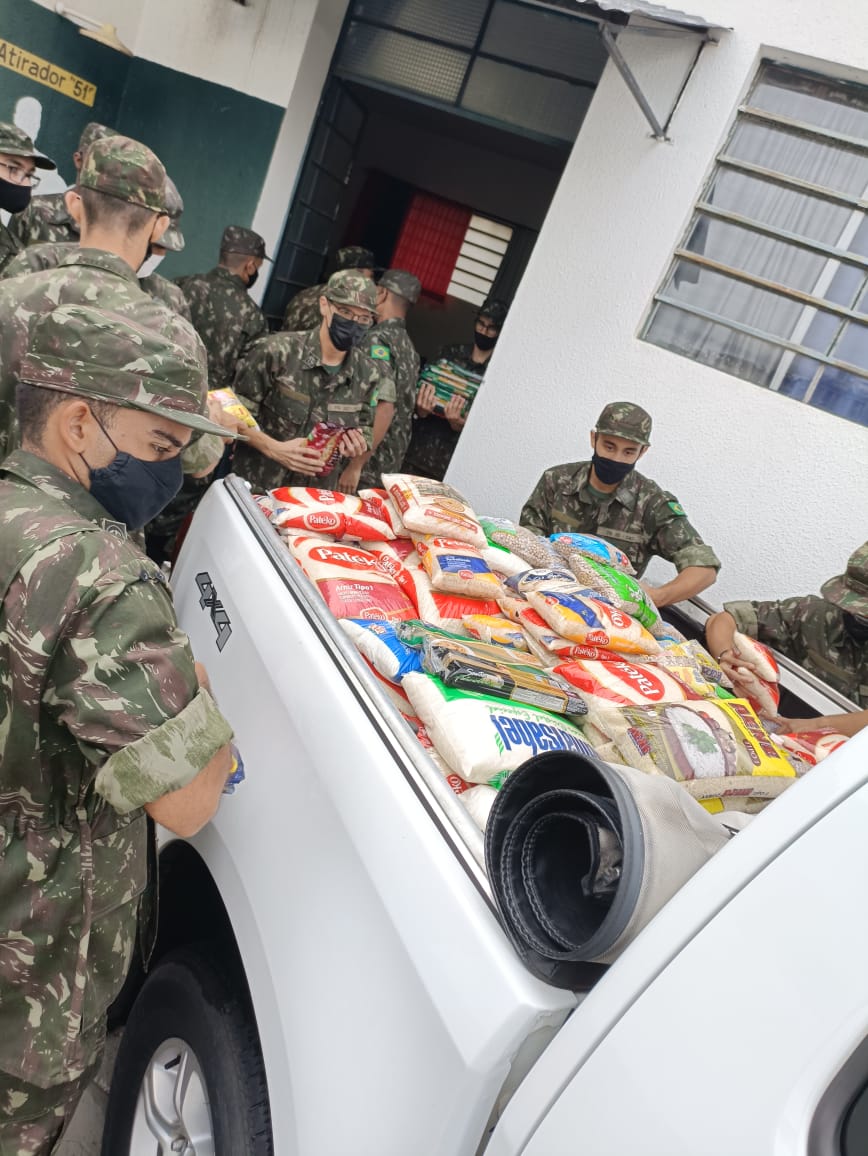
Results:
<point x="232" y="404"/>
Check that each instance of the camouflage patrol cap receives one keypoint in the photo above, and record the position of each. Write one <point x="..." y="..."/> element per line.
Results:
<point x="96" y="354"/>
<point x="92" y="131"/>
<point x="850" y="589"/>
<point x="349" y="288"/>
<point x="354" y="257"/>
<point x="625" y="419"/>
<point x="237" y="239"/>
<point x="173" y="238"/>
<point x="15" y="143"/>
<point x="403" y="283"/>
<point x="124" y="168"/>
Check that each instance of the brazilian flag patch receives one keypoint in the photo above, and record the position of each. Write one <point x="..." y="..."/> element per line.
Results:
<point x="677" y="508"/>
<point x="381" y="353"/>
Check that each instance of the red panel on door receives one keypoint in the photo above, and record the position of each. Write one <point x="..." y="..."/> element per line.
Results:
<point x="430" y="240"/>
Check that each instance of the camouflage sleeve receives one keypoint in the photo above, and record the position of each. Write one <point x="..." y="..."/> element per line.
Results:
<point x="378" y="382"/>
<point x="254" y="376"/>
<point x="9" y="247"/>
<point x="774" y="623"/>
<point x="535" y="512"/>
<point x="14" y="266"/>
<point x="20" y="227"/>
<point x="255" y="326"/>
<point x="386" y="390"/>
<point x="122" y="681"/>
<point x="674" y="538"/>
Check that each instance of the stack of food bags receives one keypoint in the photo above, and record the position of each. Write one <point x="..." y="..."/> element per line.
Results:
<point x="450" y="380"/>
<point x="497" y="645"/>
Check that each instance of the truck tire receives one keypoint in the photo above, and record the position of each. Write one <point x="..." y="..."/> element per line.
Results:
<point x="189" y="1075"/>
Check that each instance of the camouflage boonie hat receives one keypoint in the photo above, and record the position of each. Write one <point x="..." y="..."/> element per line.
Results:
<point x="354" y="257"/>
<point x="348" y="288"/>
<point x="91" y="132"/>
<point x="494" y="310"/>
<point x="173" y="238"/>
<point x="237" y="239"/>
<point x="124" y="168"/>
<point x="96" y="354"/>
<point x="849" y="590"/>
<point x="403" y="283"/>
<point x="625" y="419"/>
<point x="15" y="143"/>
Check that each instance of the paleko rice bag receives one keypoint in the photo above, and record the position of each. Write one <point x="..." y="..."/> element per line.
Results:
<point x="811" y="746"/>
<point x="483" y="738"/>
<point x="431" y="507"/>
<point x="443" y="609"/>
<point x="623" y="682"/>
<point x="456" y="568"/>
<point x="350" y="580"/>
<point x="692" y="664"/>
<point x="496" y="629"/>
<point x="544" y="642"/>
<point x="719" y="750"/>
<point x="758" y="683"/>
<point x="297" y="509"/>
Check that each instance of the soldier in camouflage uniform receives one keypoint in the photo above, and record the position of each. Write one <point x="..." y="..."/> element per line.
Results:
<point x="115" y="169"/>
<point x="302" y="313"/>
<point x="608" y="497"/>
<point x="47" y="218"/>
<point x="390" y="343"/>
<point x="106" y="720"/>
<point x="827" y="635"/>
<point x="434" y="436"/>
<point x="291" y="381"/>
<point x="19" y="161"/>
<point x="224" y="314"/>
<point x="50" y="254"/>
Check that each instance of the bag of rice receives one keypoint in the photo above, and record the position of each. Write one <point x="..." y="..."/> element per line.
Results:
<point x="526" y="684"/>
<point x="351" y="580"/>
<point x="518" y="540"/>
<point x="763" y="696"/>
<point x="502" y="562"/>
<point x="390" y="563"/>
<point x="616" y="588"/>
<point x="456" y="568"/>
<point x="446" y="610"/>
<point x="380" y="644"/>
<point x="590" y="546"/>
<point x="579" y="617"/>
<point x="495" y="629"/>
<point x="479" y="801"/>
<point x="431" y="507"/>
<point x="419" y="729"/>
<point x="388" y="510"/>
<point x="758" y="655"/>
<point x="327" y="512"/>
<point x="484" y="738"/>
<point x="393" y="693"/>
<point x="758" y="683"/>
<point x="623" y="682"/>
<point x="718" y="750"/>
<point x="544" y="642"/>
<point x="811" y="746"/>
<point x="690" y="663"/>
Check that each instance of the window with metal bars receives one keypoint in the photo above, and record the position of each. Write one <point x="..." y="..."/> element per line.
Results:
<point x="770" y="282"/>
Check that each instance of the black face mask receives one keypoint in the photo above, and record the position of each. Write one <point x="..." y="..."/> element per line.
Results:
<point x="252" y="279"/>
<point x="485" y="341"/>
<point x="14" y="198"/>
<point x="855" y="627"/>
<point x="132" y="490"/>
<point x="344" y="333"/>
<point x="609" y="472"/>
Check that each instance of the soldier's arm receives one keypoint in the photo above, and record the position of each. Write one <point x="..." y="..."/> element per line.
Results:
<point x="675" y="539"/>
<point x="848" y="724"/>
<point x="255" y="326"/>
<point x="535" y="511"/>
<point x="773" y="623"/>
<point x="123" y="682"/>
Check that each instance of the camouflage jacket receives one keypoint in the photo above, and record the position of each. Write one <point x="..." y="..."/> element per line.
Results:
<point x="303" y="312"/>
<point x="45" y="219"/>
<point x="49" y="254"/>
<point x="101" y="715"/>
<point x="639" y="517"/>
<point x="85" y="276"/>
<point x="390" y="346"/>
<point x="285" y="386"/>
<point x="433" y="440"/>
<point x="226" y="318"/>
<point x="810" y="631"/>
<point x="9" y="248"/>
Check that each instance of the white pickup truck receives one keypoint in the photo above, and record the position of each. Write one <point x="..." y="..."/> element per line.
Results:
<point x="331" y="977"/>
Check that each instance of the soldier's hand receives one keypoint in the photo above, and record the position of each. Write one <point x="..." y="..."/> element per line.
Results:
<point x="348" y="482"/>
<point x="454" y="412"/>
<point x="297" y="455"/>
<point x="426" y="399"/>
<point x="353" y="444"/>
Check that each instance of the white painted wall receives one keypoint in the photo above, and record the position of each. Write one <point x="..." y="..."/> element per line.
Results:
<point x="779" y="489"/>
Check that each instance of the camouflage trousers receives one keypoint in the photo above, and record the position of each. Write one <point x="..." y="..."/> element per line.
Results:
<point x="33" y="1119"/>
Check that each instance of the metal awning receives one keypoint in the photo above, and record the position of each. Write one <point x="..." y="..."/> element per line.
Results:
<point x="614" y="16"/>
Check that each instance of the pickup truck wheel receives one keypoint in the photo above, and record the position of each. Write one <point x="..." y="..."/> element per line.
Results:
<point x="189" y="1078"/>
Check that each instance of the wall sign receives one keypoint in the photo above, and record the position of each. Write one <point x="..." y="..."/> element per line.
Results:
<point x="44" y="72"/>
